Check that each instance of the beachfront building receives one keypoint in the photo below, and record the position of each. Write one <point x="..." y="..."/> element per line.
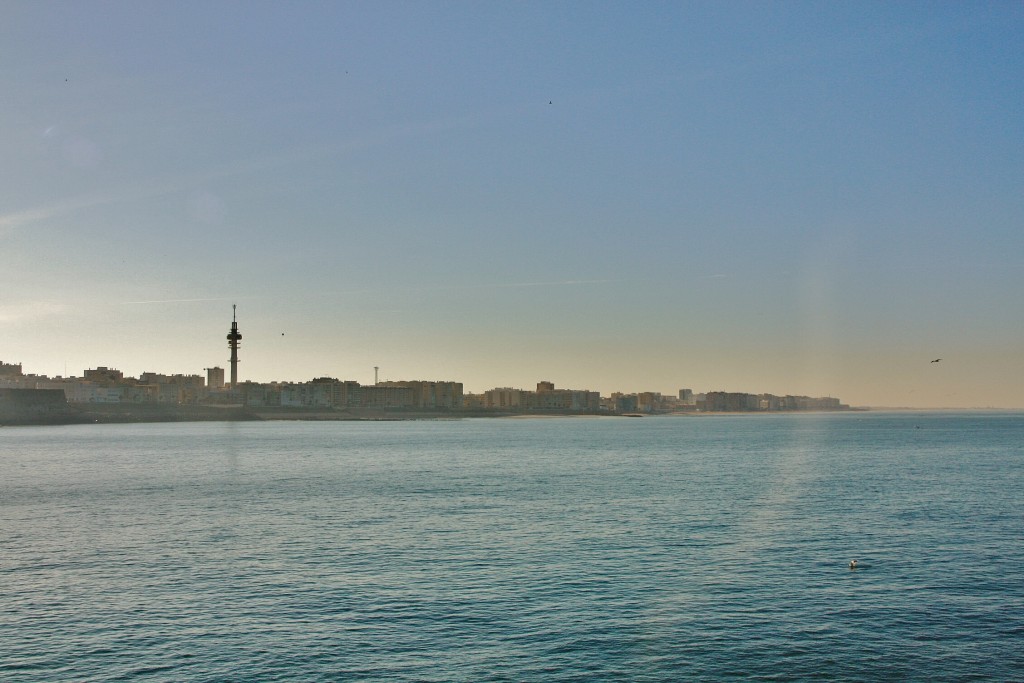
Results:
<point x="505" y="398"/>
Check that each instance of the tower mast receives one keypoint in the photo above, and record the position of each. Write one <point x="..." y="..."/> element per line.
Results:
<point x="233" y="338"/>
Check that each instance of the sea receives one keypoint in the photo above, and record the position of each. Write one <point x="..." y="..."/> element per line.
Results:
<point x="695" y="548"/>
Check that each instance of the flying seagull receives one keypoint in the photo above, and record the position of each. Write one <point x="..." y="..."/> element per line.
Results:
<point x="936" y="360"/>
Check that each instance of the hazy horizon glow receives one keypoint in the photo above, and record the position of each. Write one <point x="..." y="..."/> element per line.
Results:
<point x="794" y="198"/>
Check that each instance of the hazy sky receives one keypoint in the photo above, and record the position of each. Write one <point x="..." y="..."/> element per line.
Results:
<point x="792" y="197"/>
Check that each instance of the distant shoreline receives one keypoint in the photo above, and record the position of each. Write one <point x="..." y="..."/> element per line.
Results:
<point x="121" y="413"/>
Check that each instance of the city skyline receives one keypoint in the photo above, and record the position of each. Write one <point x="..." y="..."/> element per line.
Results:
<point x="801" y="198"/>
<point x="186" y="395"/>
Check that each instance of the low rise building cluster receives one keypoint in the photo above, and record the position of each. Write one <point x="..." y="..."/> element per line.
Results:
<point x="545" y="398"/>
<point x="330" y="393"/>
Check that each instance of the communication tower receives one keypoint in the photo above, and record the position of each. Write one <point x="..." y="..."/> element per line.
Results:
<point x="234" y="337"/>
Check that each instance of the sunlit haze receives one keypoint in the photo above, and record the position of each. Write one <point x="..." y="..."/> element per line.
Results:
<point x="813" y="198"/>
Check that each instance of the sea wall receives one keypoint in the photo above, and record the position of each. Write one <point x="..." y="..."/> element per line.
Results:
<point x="36" y="407"/>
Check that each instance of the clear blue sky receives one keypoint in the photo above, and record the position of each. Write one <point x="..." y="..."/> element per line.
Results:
<point x="792" y="197"/>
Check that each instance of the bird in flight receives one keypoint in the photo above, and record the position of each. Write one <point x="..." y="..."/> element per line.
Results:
<point x="936" y="360"/>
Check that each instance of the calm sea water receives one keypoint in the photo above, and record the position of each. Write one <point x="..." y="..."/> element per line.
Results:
<point x="565" y="549"/>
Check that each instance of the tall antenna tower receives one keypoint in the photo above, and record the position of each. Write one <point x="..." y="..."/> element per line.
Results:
<point x="234" y="337"/>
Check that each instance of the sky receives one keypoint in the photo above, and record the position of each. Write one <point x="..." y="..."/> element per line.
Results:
<point x="811" y="198"/>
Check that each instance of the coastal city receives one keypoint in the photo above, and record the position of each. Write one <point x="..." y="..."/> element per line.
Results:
<point x="106" y="394"/>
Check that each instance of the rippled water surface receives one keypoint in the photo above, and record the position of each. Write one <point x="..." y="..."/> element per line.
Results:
<point x="564" y="549"/>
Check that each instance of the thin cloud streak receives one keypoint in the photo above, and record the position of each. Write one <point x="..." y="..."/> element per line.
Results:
<point x="185" y="181"/>
<point x="21" y="219"/>
<point x="347" y="292"/>
<point x="475" y="287"/>
<point x="12" y="314"/>
<point x="561" y="283"/>
<point x="11" y="221"/>
<point x="31" y="311"/>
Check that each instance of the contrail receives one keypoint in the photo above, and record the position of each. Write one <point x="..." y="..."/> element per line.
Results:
<point x="173" y="301"/>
